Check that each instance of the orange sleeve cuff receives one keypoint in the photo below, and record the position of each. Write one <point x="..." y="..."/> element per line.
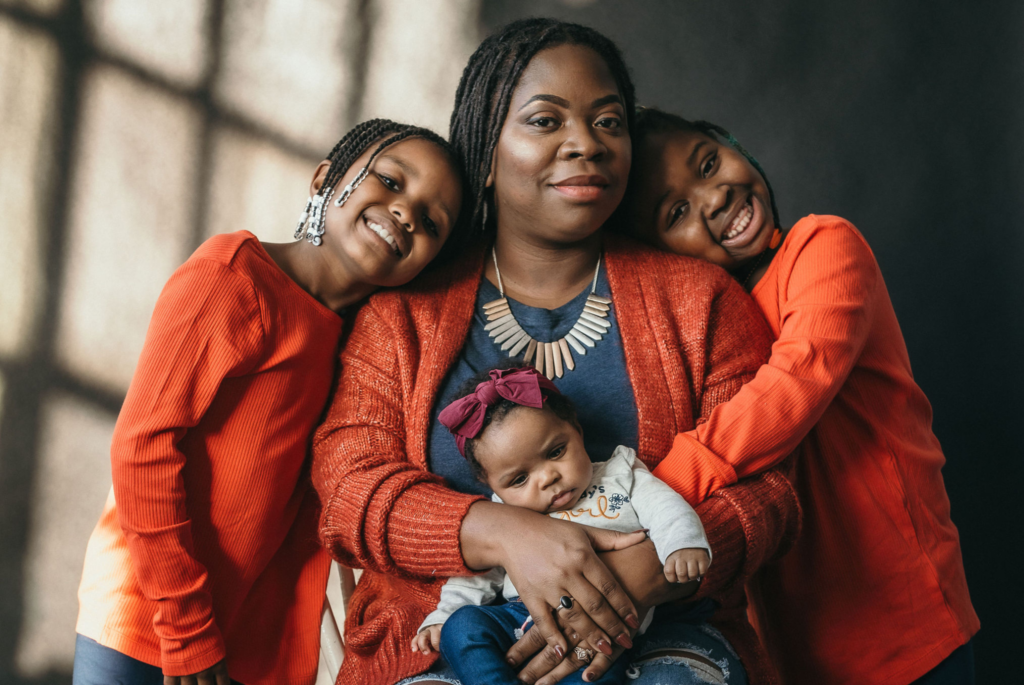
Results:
<point x="694" y="471"/>
<point x="193" y="654"/>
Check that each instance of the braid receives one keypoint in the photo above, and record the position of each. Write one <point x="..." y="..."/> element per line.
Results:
<point x="485" y="90"/>
<point x="650" y="120"/>
<point x="359" y="139"/>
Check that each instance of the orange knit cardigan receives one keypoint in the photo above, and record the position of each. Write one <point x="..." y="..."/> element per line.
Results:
<point x="691" y="337"/>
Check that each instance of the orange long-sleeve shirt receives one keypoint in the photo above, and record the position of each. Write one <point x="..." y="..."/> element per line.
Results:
<point x="208" y="544"/>
<point x="874" y="590"/>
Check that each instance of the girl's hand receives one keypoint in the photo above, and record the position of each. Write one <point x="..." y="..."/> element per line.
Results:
<point x="214" y="675"/>
<point x="548" y="559"/>
<point x="685" y="565"/>
<point x="428" y="640"/>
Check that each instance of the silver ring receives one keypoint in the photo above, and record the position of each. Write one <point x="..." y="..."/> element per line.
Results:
<point x="584" y="655"/>
<point x="565" y="602"/>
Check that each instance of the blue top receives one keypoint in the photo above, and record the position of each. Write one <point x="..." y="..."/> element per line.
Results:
<point x="599" y="386"/>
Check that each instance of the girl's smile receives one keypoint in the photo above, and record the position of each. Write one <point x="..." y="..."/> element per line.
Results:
<point x="699" y="197"/>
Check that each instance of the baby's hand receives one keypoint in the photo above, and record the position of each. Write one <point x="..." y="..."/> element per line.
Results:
<point x="428" y="640"/>
<point x="685" y="565"/>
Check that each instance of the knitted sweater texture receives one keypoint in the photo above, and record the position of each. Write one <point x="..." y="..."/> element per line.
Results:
<point x="691" y="339"/>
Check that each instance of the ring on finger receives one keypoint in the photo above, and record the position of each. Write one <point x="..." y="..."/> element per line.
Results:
<point x="583" y="654"/>
<point x="565" y="602"/>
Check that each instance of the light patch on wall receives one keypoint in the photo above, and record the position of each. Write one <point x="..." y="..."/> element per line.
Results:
<point x="256" y="186"/>
<point x="417" y="53"/>
<point x="71" y="484"/>
<point x="130" y="225"/>
<point x="288" y="65"/>
<point x="168" y="38"/>
<point x="28" y="78"/>
<point x="44" y="7"/>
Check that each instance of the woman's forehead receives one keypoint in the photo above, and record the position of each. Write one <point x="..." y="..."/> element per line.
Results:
<point x="566" y="71"/>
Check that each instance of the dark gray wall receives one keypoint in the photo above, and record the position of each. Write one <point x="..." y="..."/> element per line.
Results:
<point x="908" y="119"/>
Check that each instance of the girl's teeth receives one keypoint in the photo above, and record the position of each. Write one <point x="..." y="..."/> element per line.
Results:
<point x="382" y="232"/>
<point x="741" y="222"/>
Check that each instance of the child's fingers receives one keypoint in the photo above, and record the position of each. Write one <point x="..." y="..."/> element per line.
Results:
<point x="692" y="571"/>
<point x="703" y="565"/>
<point x="670" y="571"/>
<point x="435" y="639"/>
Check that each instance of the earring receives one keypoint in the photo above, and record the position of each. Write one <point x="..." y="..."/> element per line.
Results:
<point x="347" y="192"/>
<point x="316" y="216"/>
<point x="483" y="226"/>
<point x="303" y="218"/>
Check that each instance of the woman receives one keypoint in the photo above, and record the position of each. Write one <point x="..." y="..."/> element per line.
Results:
<point x="541" y="121"/>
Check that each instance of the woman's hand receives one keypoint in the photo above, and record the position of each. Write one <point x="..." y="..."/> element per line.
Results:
<point x="548" y="559"/>
<point x="641" y="574"/>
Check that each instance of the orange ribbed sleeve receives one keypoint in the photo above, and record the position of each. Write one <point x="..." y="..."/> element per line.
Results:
<point x="825" y="317"/>
<point x="381" y="511"/>
<point x="206" y="326"/>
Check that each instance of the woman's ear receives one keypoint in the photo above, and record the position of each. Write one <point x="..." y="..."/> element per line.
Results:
<point x="318" y="177"/>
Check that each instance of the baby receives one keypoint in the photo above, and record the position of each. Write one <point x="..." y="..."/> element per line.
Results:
<point x="522" y="439"/>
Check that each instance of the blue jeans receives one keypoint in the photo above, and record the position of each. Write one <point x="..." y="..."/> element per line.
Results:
<point x="99" y="665"/>
<point x="473" y="650"/>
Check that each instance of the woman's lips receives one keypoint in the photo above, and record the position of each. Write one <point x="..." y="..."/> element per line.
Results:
<point x="745" y="226"/>
<point x="582" y="188"/>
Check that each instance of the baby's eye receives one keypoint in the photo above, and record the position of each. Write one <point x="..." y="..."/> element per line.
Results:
<point x="389" y="182"/>
<point x="708" y="165"/>
<point x="431" y="227"/>
<point x="556" y="453"/>
<point x="518" y="481"/>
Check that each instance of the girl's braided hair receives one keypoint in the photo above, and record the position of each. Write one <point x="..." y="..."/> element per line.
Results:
<point x="650" y="121"/>
<point x="484" y="93"/>
<point x="359" y="139"/>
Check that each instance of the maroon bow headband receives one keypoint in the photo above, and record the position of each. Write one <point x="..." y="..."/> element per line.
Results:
<point x="465" y="417"/>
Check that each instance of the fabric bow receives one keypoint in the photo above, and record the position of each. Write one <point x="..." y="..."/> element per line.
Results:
<point x="465" y="416"/>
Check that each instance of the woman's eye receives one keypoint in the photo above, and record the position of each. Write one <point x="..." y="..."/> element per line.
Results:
<point x="389" y="182"/>
<point x="609" y="122"/>
<point x="542" y="122"/>
<point x="708" y="165"/>
<point x="431" y="227"/>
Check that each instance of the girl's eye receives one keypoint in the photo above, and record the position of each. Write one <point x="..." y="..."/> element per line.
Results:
<point x="677" y="213"/>
<point x="389" y="182"/>
<point x="431" y="227"/>
<point x="707" y="166"/>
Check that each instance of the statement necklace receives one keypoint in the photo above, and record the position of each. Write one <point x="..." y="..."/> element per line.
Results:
<point x="550" y="358"/>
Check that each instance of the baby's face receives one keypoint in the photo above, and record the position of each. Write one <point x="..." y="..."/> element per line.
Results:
<point x="534" y="460"/>
<point x="701" y="198"/>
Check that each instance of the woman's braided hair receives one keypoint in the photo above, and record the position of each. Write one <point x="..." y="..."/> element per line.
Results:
<point x="482" y="100"/>
<point x="359" y="139"/>
<point x="650" y="121"/>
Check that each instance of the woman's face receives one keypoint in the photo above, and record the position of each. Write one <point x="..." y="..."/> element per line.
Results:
<point x="398" y="218"/>
<point x="562" y="159"/>
<point x="699" y="197"/>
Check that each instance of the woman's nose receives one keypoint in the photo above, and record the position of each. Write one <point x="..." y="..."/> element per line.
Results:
<point x="582" y="141"/>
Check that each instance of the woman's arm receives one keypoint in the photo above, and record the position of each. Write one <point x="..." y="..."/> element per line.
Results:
<point x="380" y="511"/>
<point x="825" y="320"/>
<point x="206" y="326"/>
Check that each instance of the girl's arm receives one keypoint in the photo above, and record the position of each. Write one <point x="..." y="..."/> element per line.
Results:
<point x="206" y="326"/>
<point x="828" y="290"/>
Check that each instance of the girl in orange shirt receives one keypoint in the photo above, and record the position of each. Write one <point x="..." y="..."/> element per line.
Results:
<point x="205" y="561"/>
<point x="874" y="591"/>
